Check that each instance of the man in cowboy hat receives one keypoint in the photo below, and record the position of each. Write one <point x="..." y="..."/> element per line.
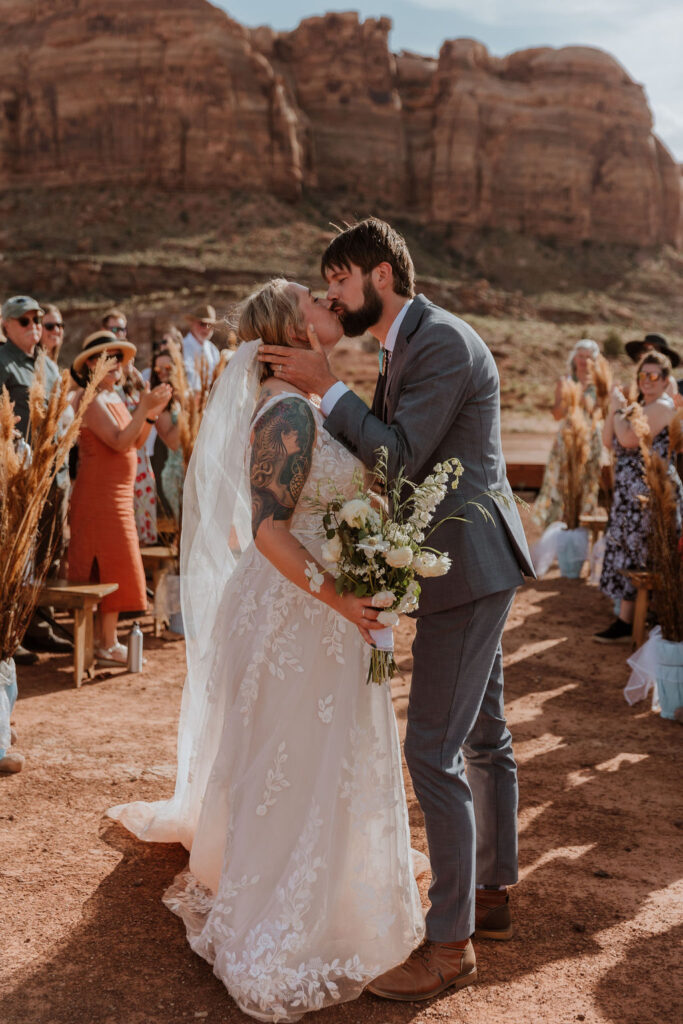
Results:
<point x="22" y="319"/>
<point x="197" y="344"/>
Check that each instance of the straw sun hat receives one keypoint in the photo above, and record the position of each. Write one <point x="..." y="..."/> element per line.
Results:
<point x="103" y="341"/>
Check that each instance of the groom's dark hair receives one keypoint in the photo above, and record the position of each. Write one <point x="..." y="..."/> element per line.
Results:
<point x="367" y="244"/>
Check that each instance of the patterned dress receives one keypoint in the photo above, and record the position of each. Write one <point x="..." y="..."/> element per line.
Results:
<point x="145" y="493"/>
<point x="549" y="506"/>
<point x="629" y="522"/>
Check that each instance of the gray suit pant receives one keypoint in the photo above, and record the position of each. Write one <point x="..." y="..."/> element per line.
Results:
<point x="459" y="753"/>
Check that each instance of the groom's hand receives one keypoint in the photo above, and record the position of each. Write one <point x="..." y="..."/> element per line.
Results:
<point x="307" y="369"/>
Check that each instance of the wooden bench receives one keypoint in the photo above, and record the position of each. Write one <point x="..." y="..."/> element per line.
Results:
<point x="595" y="525"/>
<point x="81" y="599"/>
<point x="159" y="560"/>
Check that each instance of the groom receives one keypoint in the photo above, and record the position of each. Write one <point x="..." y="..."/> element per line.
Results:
<point x="438" y="397"/>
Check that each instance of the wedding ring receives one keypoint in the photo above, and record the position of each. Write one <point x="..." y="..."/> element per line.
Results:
<point x="362" y="613"/>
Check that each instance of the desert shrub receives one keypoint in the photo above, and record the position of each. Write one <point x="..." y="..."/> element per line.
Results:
<point x="612" y="346"/>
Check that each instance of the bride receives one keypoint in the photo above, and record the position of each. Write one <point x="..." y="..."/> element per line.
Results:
<point x="289" y="791"/>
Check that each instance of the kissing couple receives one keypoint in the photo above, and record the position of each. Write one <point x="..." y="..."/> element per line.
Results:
<point x="300" y="888"/>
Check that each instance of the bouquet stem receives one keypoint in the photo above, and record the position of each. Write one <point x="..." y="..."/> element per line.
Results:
<point x="382" y="666"/>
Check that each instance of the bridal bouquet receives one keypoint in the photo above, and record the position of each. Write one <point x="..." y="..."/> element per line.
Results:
<point x="370" y="551"/>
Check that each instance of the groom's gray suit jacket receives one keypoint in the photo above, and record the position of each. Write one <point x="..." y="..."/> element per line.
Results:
<point x="442" y="399"/>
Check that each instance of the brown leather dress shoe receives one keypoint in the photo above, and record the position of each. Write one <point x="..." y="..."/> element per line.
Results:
<point x="431" y="968"/>
<point x="492" y="916"/>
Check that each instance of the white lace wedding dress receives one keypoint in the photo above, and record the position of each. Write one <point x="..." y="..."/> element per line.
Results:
<point x="290" y="796"/>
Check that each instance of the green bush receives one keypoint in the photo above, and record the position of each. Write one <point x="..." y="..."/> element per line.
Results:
<point x="612" y="346"/>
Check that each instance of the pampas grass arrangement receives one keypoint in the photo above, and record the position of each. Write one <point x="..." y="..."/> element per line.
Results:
<point x="576" y="433"/>
<point x="664" y="556"/>
<point x="600" y="375"/>
<point x="192" y="403"/>
<point x="26" y="478"/>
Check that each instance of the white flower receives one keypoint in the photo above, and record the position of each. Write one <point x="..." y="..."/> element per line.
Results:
<point x="332" y="549"/>
<point x="388" y="618"/>
<point x="383" y="599"/>
<point x="429" y="564"/>
<point x="371" y="545"/>
<point x="444" y="564"/>
<point x="399" y="558"/>
<point x="314" y="576"/>
<point x="355" y="512"/>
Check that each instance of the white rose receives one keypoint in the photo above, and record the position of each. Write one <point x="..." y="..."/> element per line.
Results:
<point x="428" y="564"/>
<point x="424" y="563"/>
<point x="384" y="599"/>
<point x="332" y="549"/>
<point x="355" y="512"/>
<point x="399" y="558"/>
<point x="388" y="618"/>
<point x="443" y="563"/>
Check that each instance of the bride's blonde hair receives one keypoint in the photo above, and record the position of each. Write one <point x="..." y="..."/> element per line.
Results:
<point x="268" y="313"/>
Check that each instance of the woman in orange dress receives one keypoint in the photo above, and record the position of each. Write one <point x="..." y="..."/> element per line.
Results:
<point x="104" y="542"/>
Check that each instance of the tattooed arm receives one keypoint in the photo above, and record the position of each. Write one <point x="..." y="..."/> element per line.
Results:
<point x="281" y="455"/>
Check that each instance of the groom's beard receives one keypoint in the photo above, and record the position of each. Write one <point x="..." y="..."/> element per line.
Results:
<point x="357" y="321"/>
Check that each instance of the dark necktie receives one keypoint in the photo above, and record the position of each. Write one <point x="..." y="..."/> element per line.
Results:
<point x="381" y="386"/>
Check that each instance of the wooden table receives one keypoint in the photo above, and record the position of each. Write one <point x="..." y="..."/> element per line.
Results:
<point x="81" y="599"/>
<point x="159" y="560"/>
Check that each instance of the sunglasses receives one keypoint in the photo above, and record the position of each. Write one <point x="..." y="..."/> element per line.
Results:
<point x="56" y="326"/>
<point x="650" y="375"/>
<point x="118" y="330"/>
<point x="26" y="320"/>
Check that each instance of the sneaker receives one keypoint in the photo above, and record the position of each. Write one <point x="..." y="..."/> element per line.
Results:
<point x="117" y="654"/>
<point x="23" y="657"/>
<point x="618" y="633"/>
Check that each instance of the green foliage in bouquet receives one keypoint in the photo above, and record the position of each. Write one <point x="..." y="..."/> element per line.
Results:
<point x="377" y="545"/>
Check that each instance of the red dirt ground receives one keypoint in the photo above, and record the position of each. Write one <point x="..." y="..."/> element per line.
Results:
<point x="598" y="908"/>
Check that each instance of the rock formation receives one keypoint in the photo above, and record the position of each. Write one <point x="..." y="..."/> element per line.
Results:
<point x="556" y="144"/>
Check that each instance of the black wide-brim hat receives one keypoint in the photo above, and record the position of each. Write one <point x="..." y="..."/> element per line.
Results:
<point x="637" y="349"/>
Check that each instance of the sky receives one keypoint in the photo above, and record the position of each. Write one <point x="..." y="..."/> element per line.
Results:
<point x="646" y="36"/>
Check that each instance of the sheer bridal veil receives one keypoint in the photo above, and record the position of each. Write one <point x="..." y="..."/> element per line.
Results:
<point x="216" y="529"/>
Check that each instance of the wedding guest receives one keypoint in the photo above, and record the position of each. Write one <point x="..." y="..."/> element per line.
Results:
<point x="549" y="505"/>
<point x="131" y="387"/>
<point x="168" y="430"/>
<point x="22" y="318"/>
<point x="52" y="337"/>
<point x="629" y="525"/>
<point x="115" y="320"/>
<point x="197" y="344"/>
<point x="171" y="334"/>
<point x="104" y="545"/>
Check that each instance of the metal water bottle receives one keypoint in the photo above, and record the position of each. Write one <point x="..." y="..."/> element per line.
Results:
<point x="135" y="648"/>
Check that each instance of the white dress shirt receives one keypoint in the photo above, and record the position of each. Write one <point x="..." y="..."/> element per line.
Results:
<point x="339" y="388"/>
<point x="193" y="350"/>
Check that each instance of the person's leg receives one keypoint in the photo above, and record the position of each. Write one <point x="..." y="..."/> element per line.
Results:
<point x="626" y="610"/>
<point x="108" y="623"/>
<point x="455" y="666"/>
<point x="492" y="778"/>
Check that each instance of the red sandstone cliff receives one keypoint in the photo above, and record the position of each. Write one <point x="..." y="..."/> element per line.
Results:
<point x="551" y="143"/>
